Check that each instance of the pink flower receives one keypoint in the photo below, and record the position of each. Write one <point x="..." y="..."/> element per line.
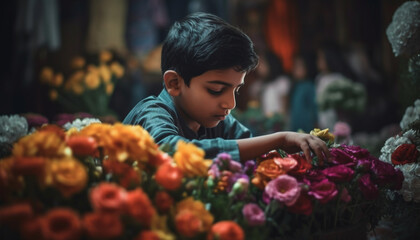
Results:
<point x="339" y="173"/>
<point x="345" y="196"/>
<point x="108" y="197"/>
<point x="253" y="214"/>
<point x="284" y="189"/>
<point x="324" y="191"/>
<point x="339" y="156"/>
<point x="368" y="188"/>
<point x="342" y="129"/>
<point x="286" y="163"/>
<point x="386" y="175"/>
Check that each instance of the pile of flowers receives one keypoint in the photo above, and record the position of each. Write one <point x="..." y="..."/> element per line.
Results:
<point x="112" y="181"/>
<point x="343" y="95"/>
<point x="403" y="152"/>
<point x="87" y="85"/>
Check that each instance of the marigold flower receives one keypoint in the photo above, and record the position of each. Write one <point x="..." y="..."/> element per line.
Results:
<point x="117" y="69"/>
<point x="109" y="88"/>
<point x="190" y="159"/>
<point x="188" y="224"/>
<point x="323" y="134"/>
<point x="29" y="166"/>
<point x="68" y="175"/>
<point x="77" y="88"/>
<point x="108" y="197"/>
<point x="140" y="207"/>
<point x="226" y="230"/>
<point x="169" y="176"/>
<point x="197" y="209"/>
<point x="92" y="80"/>
<point x="105" y="56"/>
<point x="61" y="224"/>
<point x="105" y="73"/>
<point x="99" y="225"/>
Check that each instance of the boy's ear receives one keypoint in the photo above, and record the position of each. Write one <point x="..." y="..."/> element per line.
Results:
<point x="173" y="82"/>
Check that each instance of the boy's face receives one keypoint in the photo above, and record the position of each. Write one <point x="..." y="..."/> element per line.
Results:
<point x="209" y="98"/>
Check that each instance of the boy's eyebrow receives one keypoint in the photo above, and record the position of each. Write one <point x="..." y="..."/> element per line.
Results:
<point x="224" y="83"/>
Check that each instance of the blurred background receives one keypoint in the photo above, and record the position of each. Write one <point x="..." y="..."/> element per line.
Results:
<point x="103" y="56"/>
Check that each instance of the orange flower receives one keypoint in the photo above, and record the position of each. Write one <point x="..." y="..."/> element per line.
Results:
<point x="53" y="94"/>
<point x="108" y="197"/>
<point x="192" y="214"/>
<point x="160" y="159"/>
<point x="78" y="62"/>
<point x="29" y="166"/>
<point x="117" y="69"/>
<point x="15" y="214"/>
<point x="57" y="80"/>
<point x="147" y="235"/>
<point x="92" y="80"/>
<point x="163" y="201"/>
<point x="105" y="56"/>
<point x="266" y="171"/>
<point x="105" y="73"/>
<point x="46" y="75"/>
<point x="190" y="159"/>
<point x="61" y="224"/>
<point x="169" y="176"/>
<point x="68" y="175"/>
<point x="226" y="230"/>
<point x="31" y="229"/>
<point x="286" y="163"/>
<point x="102" y="225"/>
<point x="140" y="207"/>
<point x="109" y="88"/>
<point x="42" y="143"/>
<point x="82" y="145"/>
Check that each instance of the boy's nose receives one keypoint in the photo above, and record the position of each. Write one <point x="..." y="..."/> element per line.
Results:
<point x="229" y="102"/>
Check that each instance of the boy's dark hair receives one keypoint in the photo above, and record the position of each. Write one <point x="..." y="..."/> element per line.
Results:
<point x="201" y="42"/>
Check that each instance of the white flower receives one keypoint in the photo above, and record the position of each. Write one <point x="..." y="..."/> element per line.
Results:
<point x="411" y="114"/>
<point x="80" y="124"/>
<point x="12" y="128"/>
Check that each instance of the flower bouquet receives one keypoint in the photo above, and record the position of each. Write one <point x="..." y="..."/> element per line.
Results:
<point x="403" y="152"/>
<point x="87" y="86"/>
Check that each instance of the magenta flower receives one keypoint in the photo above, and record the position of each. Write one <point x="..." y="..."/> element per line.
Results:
<point x="368" y="188"/>
<point x="386" y="175"/>
<point x="324" y="191"/>
<point x="253" y="214"/>
<point x="345" y="195"/>
<point x="284" y="189"/>
<point x="339" y="173"/>
<point x="342" y="129"/>
<point x="340" y="156"/>
<point x="356" y="151"/>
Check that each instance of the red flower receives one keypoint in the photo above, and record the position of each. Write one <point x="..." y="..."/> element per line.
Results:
<point x="108" y="197"/>
<point x="169" y="176"/>
<point x="140" y="207"/>
<point x="102" y="225"/>
<point x="147" y="235"/>
<point x="405" y="153"/>
<point x="160" y="159"/>
<point x="31" y="229"/>
<point x="302" y="165"/>
<point x="226" y="230"/>
<point x="15" y="214"/>
<point x="163" y="201"/>
<point x="368" y="188"/>
<point x="339" y="173"/>
<point x="61" y="224"/>
<point x="324" y="191"/>
<point x="82" y="145"/>
<point x="303" y="205"/>
<point x="127" y="175"/>
<point x="29" y="166"/>
<point x="188" y="224"/>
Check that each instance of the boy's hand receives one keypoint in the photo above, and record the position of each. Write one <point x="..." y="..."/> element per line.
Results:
<point x="307" y="143"/>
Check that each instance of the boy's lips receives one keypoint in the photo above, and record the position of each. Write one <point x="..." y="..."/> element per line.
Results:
<point x="221" y="117"/>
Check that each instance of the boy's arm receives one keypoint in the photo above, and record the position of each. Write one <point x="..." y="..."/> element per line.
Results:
<point x="291" y="142"/>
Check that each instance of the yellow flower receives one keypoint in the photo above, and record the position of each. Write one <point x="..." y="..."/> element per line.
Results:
<point x="109" y="88"/>
<point x="117" y="69"/>
<point x="78" y="62"/>
<point x="41" y="144"/>
<point x="92" y="80"/>
<point x="47" y="75"/>
<point x="58" y="80"/>
<point x="105" y="56"/>
<point x="68" y="175"/>
<point x="323" y="134"/>
<point x="77" y="88"/>
<point x="190" y="159"/>
<point x="53" y="95"/>
<point x="105" y="73"/>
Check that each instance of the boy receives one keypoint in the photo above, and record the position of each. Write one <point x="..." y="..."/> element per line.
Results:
<point x="204" y="62"/>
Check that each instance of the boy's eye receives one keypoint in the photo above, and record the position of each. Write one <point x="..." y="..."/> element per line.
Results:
<point x="215" y="92"/>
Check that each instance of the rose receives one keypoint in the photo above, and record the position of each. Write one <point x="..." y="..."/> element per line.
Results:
<point x="323" y="134"/>
<point x="169" y="176"/>
<point x="302" y="166"/>
<point x="266" y="171"/>
<point x="386" y="174"/>
<point x="69" y="176"/>
<point x="82" y="145"/>
<point x="192" y="211"/>
<point x="190" y="159"/>
<point x="99" y="225"/>
<point x="339" y="173"/>
<point x="356" y="151"/>
<point x="405" y="153"/>
<point x="188" y="224"/>
<point x="340" y="156"/>
<point x="303" y="205"/>
<point x="368" y="188"/>
<point x="140" y="207"/>
<point x="226" y="230"/>
<point x="163" y="201"/>
<point x="286" y="163"/>
<point x="253" y="214"/>
<point x="160" y="159"/>
<point x="61" y="223"/>
<point x="284" y="189"/>
<point x="108" y="197"/>
<point x="324" y="190"/>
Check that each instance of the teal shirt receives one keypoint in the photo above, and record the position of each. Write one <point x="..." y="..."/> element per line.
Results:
<point x="158" y="116"/>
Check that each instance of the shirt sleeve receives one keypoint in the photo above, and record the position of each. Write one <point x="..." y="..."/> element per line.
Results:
<point x="162" y="124"/>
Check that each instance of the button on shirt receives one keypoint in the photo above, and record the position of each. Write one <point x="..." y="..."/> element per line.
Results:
<point x="159" y="117"/>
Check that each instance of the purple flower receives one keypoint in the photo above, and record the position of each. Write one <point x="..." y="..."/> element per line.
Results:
<point x="368" y="188"/>
<point x="235" y="166"/>
<point x="284" y="189"/>
<point x="253" y="214"/>
<point x="339" y="173"/>
<point x="35" y="120"/>
<point x="324" y="191"/>
<point x="249" y="167"/>
<point x="234" y="178"/>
